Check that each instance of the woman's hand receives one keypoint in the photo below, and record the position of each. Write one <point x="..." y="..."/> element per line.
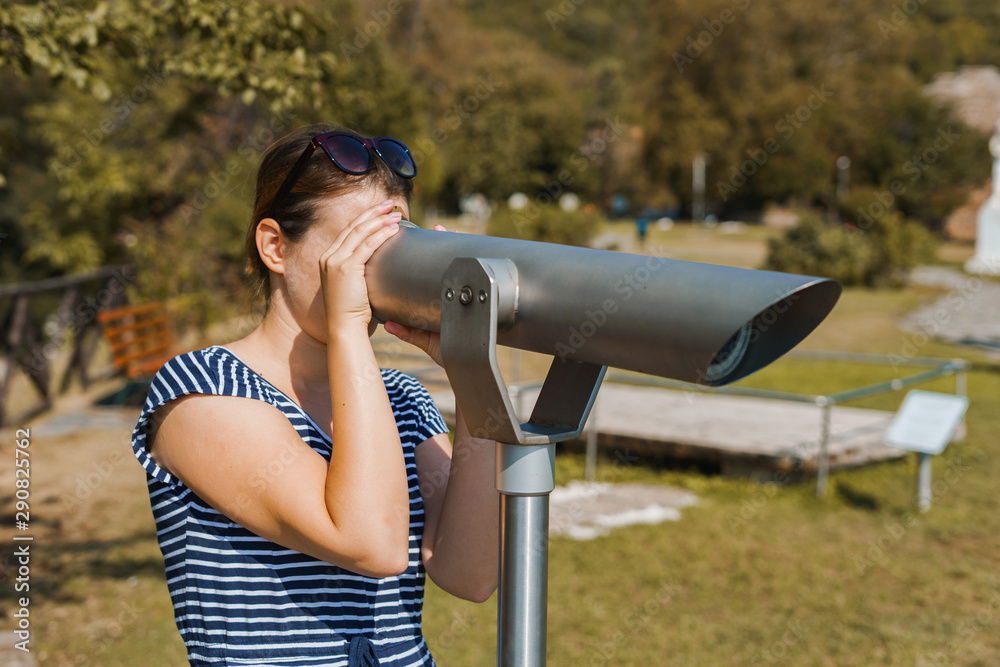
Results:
<point x="342" y="266"/>
<point x="428" y="341"/>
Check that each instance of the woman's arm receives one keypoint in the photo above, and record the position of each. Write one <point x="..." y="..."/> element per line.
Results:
<point x="461" y="501"/>
<point x="243" y="457"/>
<point x="246" y="460"/>
<point x="462" y="507"/>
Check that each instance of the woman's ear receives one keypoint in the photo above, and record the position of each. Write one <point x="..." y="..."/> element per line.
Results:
<point x="271" y="245"/>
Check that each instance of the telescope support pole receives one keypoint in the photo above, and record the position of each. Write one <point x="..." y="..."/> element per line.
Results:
<point x="525" y="477"/>
<point x="479" y="297"/>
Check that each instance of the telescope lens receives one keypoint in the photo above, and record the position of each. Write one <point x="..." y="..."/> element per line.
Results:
<point x="728" y="358"/>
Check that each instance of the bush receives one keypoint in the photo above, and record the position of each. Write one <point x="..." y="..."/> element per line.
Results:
<point x="879" y="252"/>
<point x="549" y="223"/>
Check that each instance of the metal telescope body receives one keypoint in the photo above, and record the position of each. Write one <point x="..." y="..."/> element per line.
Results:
<point x="589" y="309"/>
<point x="682" y="320"/>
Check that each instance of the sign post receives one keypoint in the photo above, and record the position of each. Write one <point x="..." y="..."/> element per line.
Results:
<point x="925" y="424"/>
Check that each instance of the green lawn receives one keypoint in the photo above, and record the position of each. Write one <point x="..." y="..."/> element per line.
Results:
<point x="762" y="574"/>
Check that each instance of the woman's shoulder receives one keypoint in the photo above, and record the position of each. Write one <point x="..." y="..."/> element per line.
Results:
<point x="209" y="371"/>
<point x="201" y="371"/>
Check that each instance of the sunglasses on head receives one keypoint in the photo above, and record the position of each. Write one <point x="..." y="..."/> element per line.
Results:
<point x="352" y="154"/>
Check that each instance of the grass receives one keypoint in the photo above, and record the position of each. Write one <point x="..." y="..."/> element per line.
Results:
<point x="755" y="574"/>
<point x="755" y="571"/>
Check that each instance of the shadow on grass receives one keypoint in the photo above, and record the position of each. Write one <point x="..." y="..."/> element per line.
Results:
<point x="71" y="569"/>
<point x="857" y="499"/>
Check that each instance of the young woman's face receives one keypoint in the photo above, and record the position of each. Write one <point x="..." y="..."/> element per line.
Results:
<point x="302" y="281"/>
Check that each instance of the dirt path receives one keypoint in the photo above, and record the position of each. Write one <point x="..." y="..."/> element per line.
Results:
<point x="969" y="314"/>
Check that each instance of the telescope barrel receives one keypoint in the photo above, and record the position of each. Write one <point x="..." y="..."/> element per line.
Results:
<point x="684" y="320"/>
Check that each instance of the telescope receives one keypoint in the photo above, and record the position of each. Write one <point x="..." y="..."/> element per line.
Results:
<point x="589" y="309"/>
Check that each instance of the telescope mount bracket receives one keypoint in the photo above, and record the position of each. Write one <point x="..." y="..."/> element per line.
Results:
<point x="479" y="300"/>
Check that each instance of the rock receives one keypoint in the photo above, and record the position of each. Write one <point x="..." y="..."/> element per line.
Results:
<point x="961" y="224"/>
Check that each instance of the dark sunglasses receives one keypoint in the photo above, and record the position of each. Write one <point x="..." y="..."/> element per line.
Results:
<point x="351" y="154"/>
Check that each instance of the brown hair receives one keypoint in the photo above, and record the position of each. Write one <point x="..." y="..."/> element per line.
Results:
<point x="297" y="210"/>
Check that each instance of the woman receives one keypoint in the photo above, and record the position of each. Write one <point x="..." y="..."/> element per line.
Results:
<point x="297" y="526"/>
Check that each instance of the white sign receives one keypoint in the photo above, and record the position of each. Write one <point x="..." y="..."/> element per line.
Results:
<point x="926" y="421"/>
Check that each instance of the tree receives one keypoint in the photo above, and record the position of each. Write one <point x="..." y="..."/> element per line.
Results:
<point x="775" y="92"/>
<point x="161" y="114"/>
<point x="515" y="128"/>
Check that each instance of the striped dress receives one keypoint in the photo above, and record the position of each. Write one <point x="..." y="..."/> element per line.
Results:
<point x="242" y="600"/>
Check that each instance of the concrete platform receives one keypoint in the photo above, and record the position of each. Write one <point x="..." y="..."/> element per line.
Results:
<point x="731" y="435"/>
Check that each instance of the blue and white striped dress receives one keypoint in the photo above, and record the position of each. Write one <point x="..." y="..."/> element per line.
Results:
<point x="242" y="600"/>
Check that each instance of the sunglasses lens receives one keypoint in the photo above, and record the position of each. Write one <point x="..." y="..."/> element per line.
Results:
<point x="348" y="153"/>
<point x="397" y="157"/>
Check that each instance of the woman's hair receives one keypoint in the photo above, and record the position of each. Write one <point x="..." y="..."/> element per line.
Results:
<point x="297" y="211"/>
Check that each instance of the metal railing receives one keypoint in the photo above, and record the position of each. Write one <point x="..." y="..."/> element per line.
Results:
<point x="32" y="340"/>
<point x="938" y="368"/>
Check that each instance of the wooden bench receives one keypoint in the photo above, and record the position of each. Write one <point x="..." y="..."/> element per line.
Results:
<point x="141" y="338"/>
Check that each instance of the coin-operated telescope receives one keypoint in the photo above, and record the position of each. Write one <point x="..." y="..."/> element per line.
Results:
<point x="589" y="309"/>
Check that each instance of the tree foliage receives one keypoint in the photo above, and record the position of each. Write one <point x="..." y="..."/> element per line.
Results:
<point x="130" y="130"/>
<point x="879" y="253"/>
<point x="775" y="92"/>
<point x="547" y="223"/>
<point x="161" y="112"/>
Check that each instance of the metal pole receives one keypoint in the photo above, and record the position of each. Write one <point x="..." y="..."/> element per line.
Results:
<point x="924" y="483"/>
<point x="591" y="465"/>
<point x="525" y="477"/>
<point x="961" y="389"/>
<point x="824" y="455"/>
<point x="523" y="602"/>
<point x="698" y="186"/>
